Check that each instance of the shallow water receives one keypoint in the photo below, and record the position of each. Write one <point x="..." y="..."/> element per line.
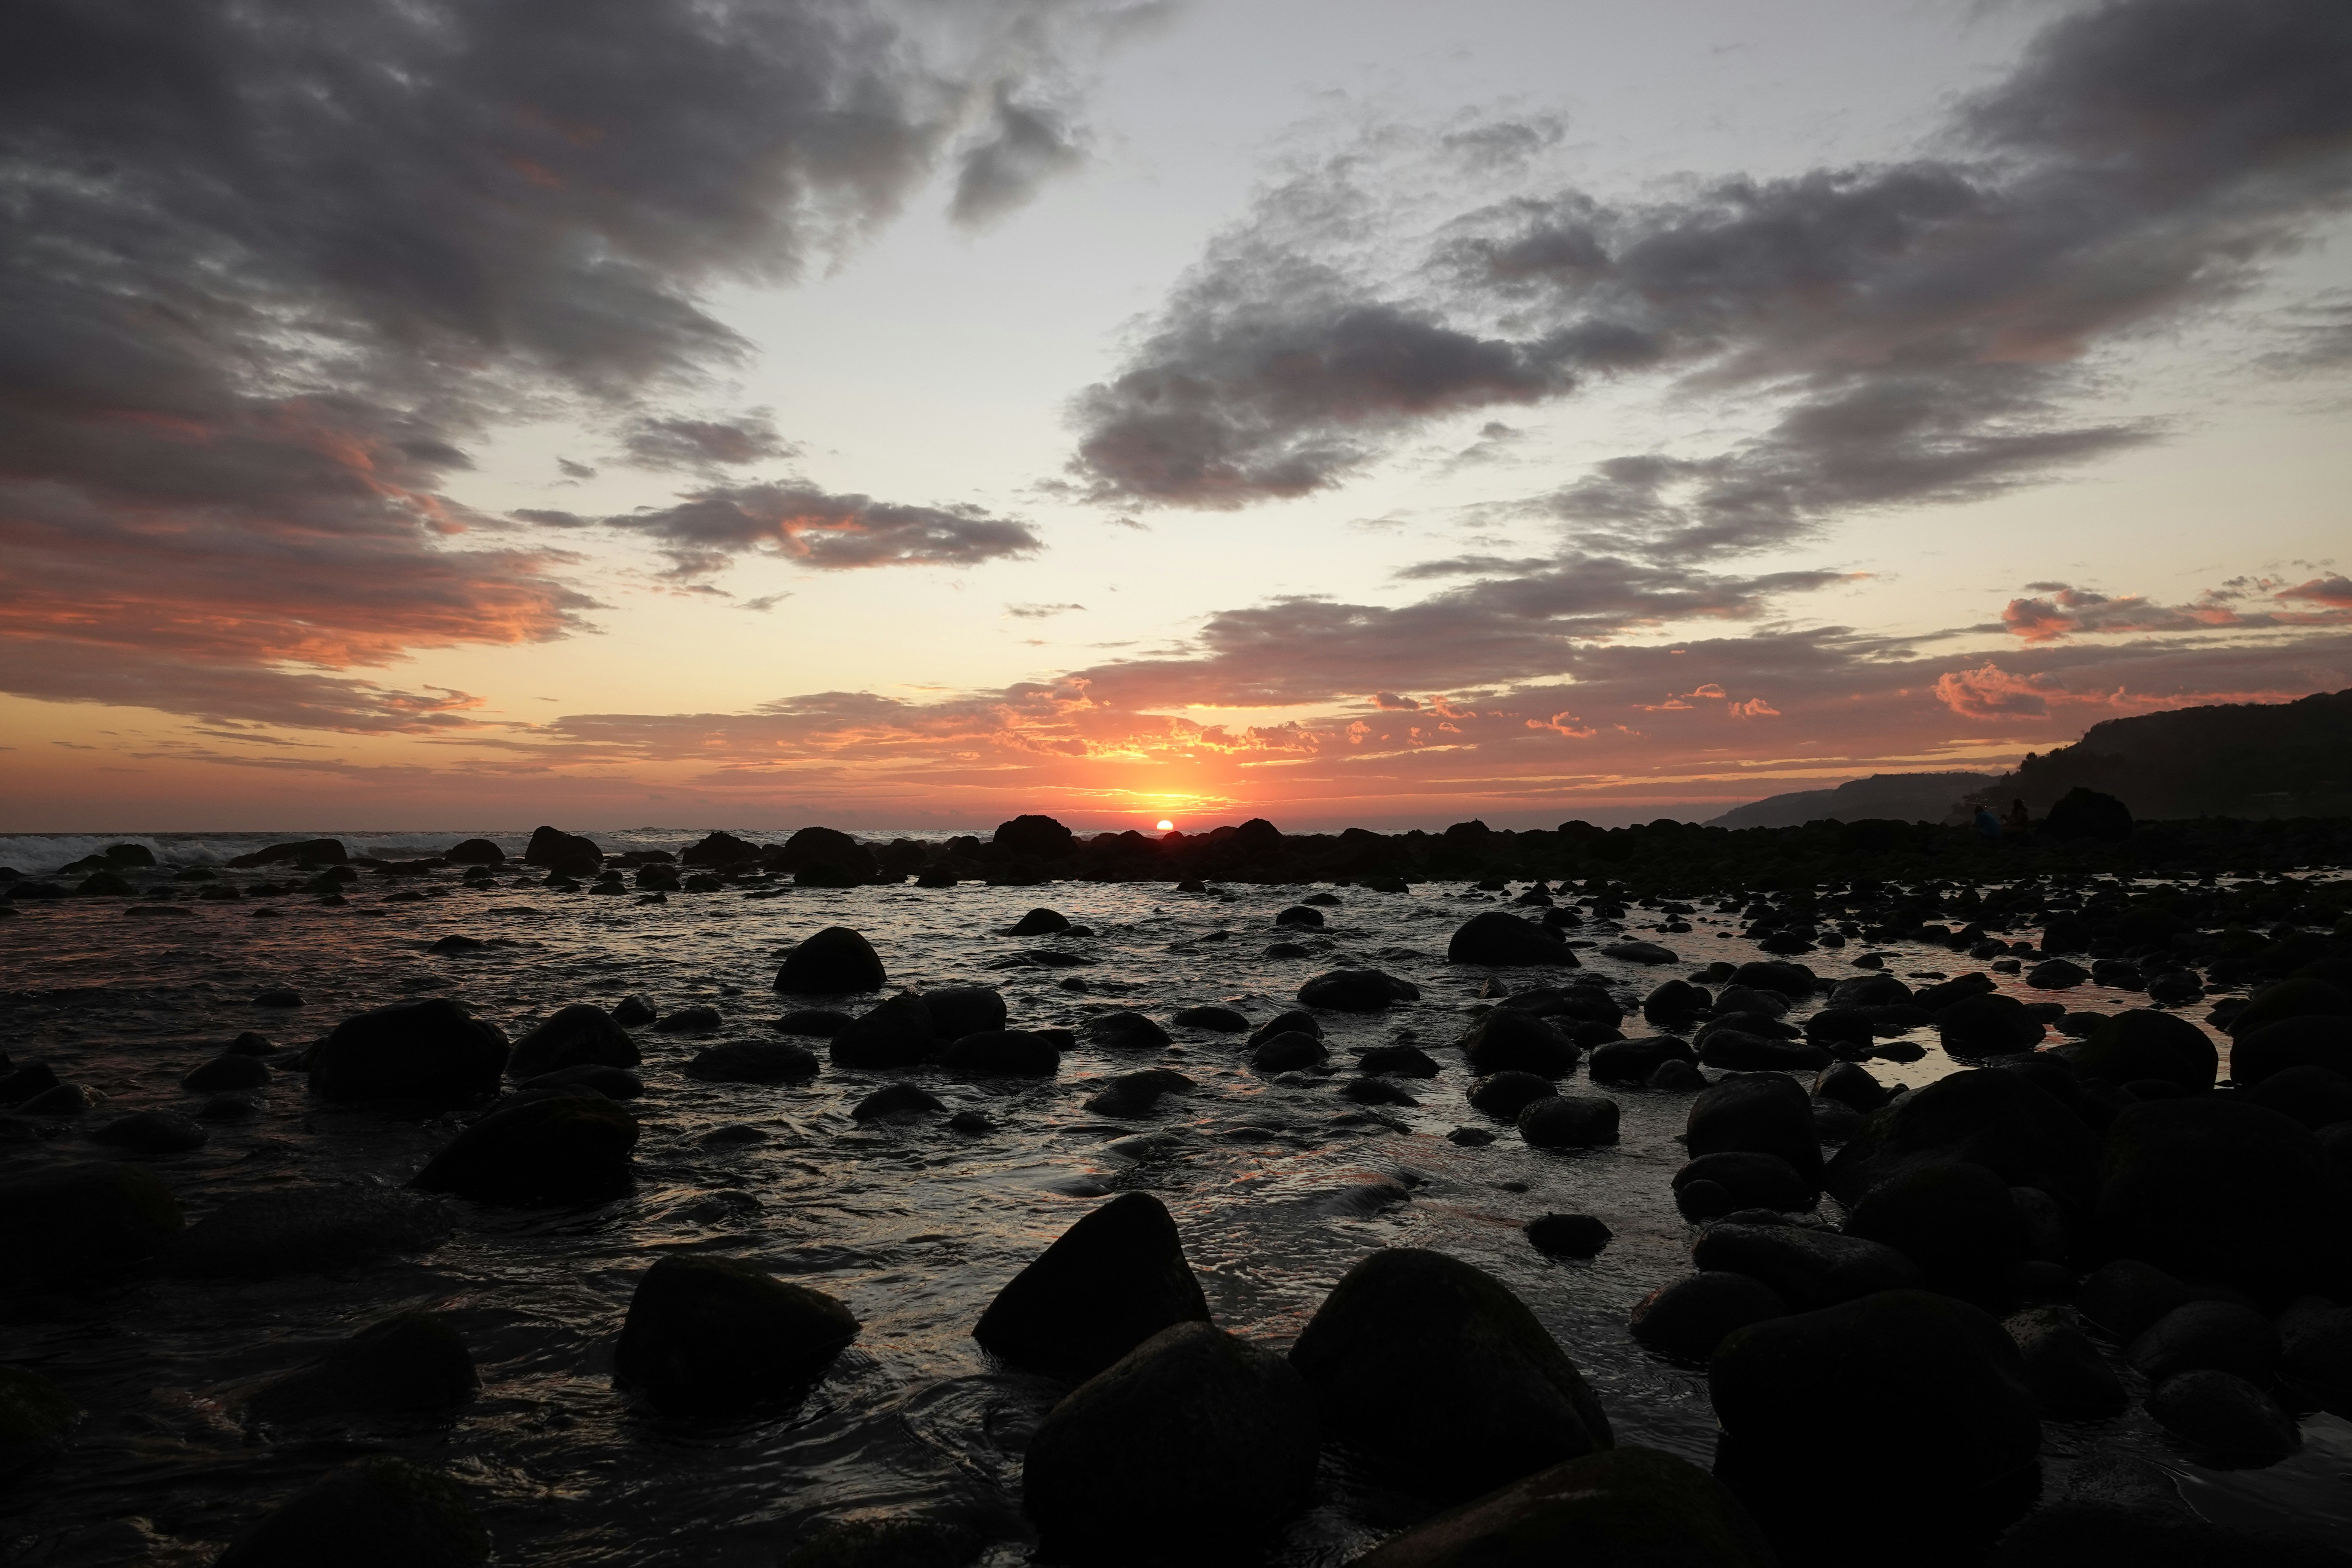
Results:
<point x="1278" y="1188"/>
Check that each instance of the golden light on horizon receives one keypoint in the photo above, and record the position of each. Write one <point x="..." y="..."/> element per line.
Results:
<point x="1165" y="825"/>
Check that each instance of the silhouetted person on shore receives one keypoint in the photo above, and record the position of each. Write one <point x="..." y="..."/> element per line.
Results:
<point x="2018" y="820"/>
<point x="1988" y="825"/>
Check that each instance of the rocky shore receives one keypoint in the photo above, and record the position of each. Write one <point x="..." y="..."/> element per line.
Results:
<point x="1971" y="1271"/>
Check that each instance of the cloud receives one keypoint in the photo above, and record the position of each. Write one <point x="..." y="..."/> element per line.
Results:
<point x="1039" y="612"/>
<point x="1754" y="707"/>
<point x="1389" y="702"/>
<point x="705" y="529"/>
<point x="263" y="284"/>
<point x="1022" y="147"/>
<point x="2069" y="611"/>
<point x="2334" y="591"/>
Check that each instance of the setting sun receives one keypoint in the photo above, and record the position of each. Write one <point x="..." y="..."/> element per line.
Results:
<point x="1165" y="825"/>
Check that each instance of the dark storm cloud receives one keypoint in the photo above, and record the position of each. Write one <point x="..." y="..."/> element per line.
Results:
<point x="659" y="441"/>
<point x="266" y="269"/>
<point x="1023" y="149"/>
<point x="2145" y="157"/>
<point x="705" y="529"/>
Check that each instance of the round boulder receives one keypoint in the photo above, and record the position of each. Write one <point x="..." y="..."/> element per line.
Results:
<point x="566" y="1149"/>
<point x="2144" y="1044"/>
<point x="1570" y="1121"/>
<point x="835" y="961"/>
<point x="1687" y="1318"/>
<point x="373" y="1512"/>
<point x="432" y="1051"/>
<point x="1503" y="940"/>
<point x="1106" y="1284"/>
<point x="713" y="1335"/>
<point x="582" y="1034"/>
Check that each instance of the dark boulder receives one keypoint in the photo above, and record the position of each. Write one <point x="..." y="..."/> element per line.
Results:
<point x="2071" y="1381"/>
<point x="1008" y="1053"/>
<point x="2315" y="1041"/>
<point x="1288" y="1053"/>
<point x="1504" y="940"/>
<point x="474" y="852"/>
<point x="1619" y="1508"/>
<point x="1398" y="1061"/>
<point x="897" y="1033"/>
<point x="1224" y="1020"/>
<point x="835" y="961"/>
<point x="1849" y="1083"/>
<point x="1758" y="1113"/>
<point x="1510" y="1040"/>
<point x="411" y="1362"/>
<point x="1902" y="1392"/>
<point x="2084" y="813"/>
<point x="1300" y="917"/>
<point x="812" y="1023"/>
<point x="2127" y="1298"/>
<point x="231" y="1071"/>
<point x="1806" y="1267"/>
<point x="959" y="1010"/>
<point x="2226" y="1417"/>
<point x="897" y="1099"/>
<point x="1998" y="1120"/>
<point x="1131" y="1094"/>
<point x="151" y="1132"/>
<point x="1987" y="1025"/>
<point x="432" y="1051"/>
<point x="1124" y="1031"/>
<point x="582" y="1034"/>
<point x="566" y="1149"/>
<point x="1297" y="1018"/>
<point x="1737" y="1052"/>
<point x="2217" y="1188"/>
<point x="1568" y="1234"/>
<point x="28" y="1082"/>
<point x="1955" y="1220"/>
<point x="317" y="851"/>
<point x="1633" y="1061"/>
<point x="1687" y="1318"/>
<point x="2316" y="1353"/>
<point x="633" y="1009"/>
<point x="2314" y="1096"/>
<point x="76" y="1223"/>
<point x="1357" y="991"/>
<point x="36" y="1418"/>
<point x="568" y="852"/>
<point x="2056" y="974"/>
<point x="1034" y="837"/>
<point x="612" y="1083"/>
<point x="2144" y="1044"/>
<point x="754" y="1061"/>
<point x="718" y="849"/>
<point x="1570" y="1121"/>
<point x="1039" y="922"/>
<point x="1120" y="1471"/>
<point x="1107" y="1284"/>
<point x="374" y="1512"/>
<point x="814" y="851"/>
<point x="1675" y="1004"/>
<point x="709" y="1336"/>
<point x="308" y="1230"/>
<point x="1638" y="952"/>
<point x="2200" y="1336"/>
<point x="1506" y="1094"/>
<point x="1752" y="1181"/>
<point x="1441" y="1379"/>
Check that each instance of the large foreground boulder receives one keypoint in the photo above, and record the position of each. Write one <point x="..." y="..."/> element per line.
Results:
<point x="1957" y="1221"/>
<point x="433" y="1051"/>
<point x="1357" y="991"/>
<point x="712" y="1336"/>
<point x="898" y="1033"/>
<point x="1442" y="1379"/>
<point x="835" y="961"/>
<point x="1195" y="1442"/>
<point x="308" y="1230"/>
<point x="374" y="1512"/>
<point x="569" y="1148"/>
<point x="754" y="1061"/>
<point x="1105" y="1286"/>
<point x="1990" y="1117"/>
<point x="1508" y="1039"/>
<point x="1901" y="1392"/>
<point x="568" y="852"/>
<point x="1618" y="1508"/>
<point x="1501" y="940"/>
<point x="2216" y="1188"/>
<point x="582" y="1034"/>
<point x="410" y="1363"/>
<point x="1687" y="1318"/>
<point x="2317" y="1040"/>
<point x="79" y="1222"/>
<point x="1759" y="1114"/>
<point x="2144" y="1044"/>
<point x="1806" y="1267"/>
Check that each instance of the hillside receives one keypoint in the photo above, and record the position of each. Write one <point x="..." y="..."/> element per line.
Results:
<point x="2240" y="759"/>
<point x="1905" y="797"/>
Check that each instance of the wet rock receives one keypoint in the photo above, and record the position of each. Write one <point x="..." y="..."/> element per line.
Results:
<point x="1224" y="1020"/>
<point x="1107" y="1284"/>
<point x="1398" y="1061"/>
<point x="2127" y="1297"/>
<point x="754" y="1061"/>
<point x="1806" y="1267"/>
<point x="66" y="1100"/>
<point x="835" y="961"/>
<point x="1675" y="1004"/>
<point x="2200" y="1336"/>
<point x="1704" y="1200"/>
<point x="1570" y="1121"/>
<point x="1122" y="1466"/>
<point x="1619" y="1508"/>
<point x="1955" y="1220"/>
<point x="707" y="1336"/>
<point x="2285" y="999"/>
<point x="1288" y="1053"/>
<point x="1759" y="1114"/>
<point x="1297" y="1018"/>
<point x="2226" y="1417"/>
<point x="454" y="943"/>
<point x="2142" y="1044"/>
<point x="1039" y="922"/>
<point x="1568" y="1234"/>
<point x="474" y="852"/>
<point x="1300" y="916"/>
<point x="1990" y="1117"/>
<point x="1375" y="1091"/>
<point x="151" y="1132"/>
<point x="970" y="1121"/>
<point x="1737" y="1052"/>
<point x="814" y="1023"/>
<point x="2318" y="1041"/>
<point x="612" y="1083"/>
<point x="1506" y="1094"/>
<point x="1136" y="1093"/>
<point x="897" y="1099"/>
<point x="1469" y="1137"/>
<point x="2043" y="1226"/>
<point x="25" y="1082"/>
<point x="433" y="1051"/>
<point x="1687" y="1318"/>
<point x="1441" y="1378"/>
<point x="1902" y="1392"/>
<point x="1357" y="991"/>
<point x="2056" y="974"/>
<point x="1504" y="940"/>
<point x="897" y="1033"/>
<point x="582" y="1035"/>
<point x="2314" y="1096"/>
<point x="2071" y="1381"/>
<point x="1635" y="1061"/>
<point x="1510" y="1040"/>
<point x="1638" y="952"/>
<point x="239" y="1106"/>
<point x="36" y="1417"/>
<point x="959" y="1010"/>
<point x="77" y="1223"/>
<point x="1751" y="1181"/>
<point x="1011" y="1053"/>
<point x="226" y="1072"/>
<point x="1676" y="1077"/>
<point x="412" y="1362"/>
<point x="1849" y="1083"/>
<point x="373" y="1512"/>
<point x="1987" y="1025"/>
<point x="308" y="1230"/>
<point x="1124" y="1031"/>
<point x="2217" y="1188"/>
<point x="563" y="1150"/>
<point x="317" y="851"/>
<point x="251" y="1043"/>
<point x="700" y="1019"/>
<point x="2316" y="1346"/>
<point x="633" y="1009"/>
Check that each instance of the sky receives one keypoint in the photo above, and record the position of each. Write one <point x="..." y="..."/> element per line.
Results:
<point x="908" y="413"/>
